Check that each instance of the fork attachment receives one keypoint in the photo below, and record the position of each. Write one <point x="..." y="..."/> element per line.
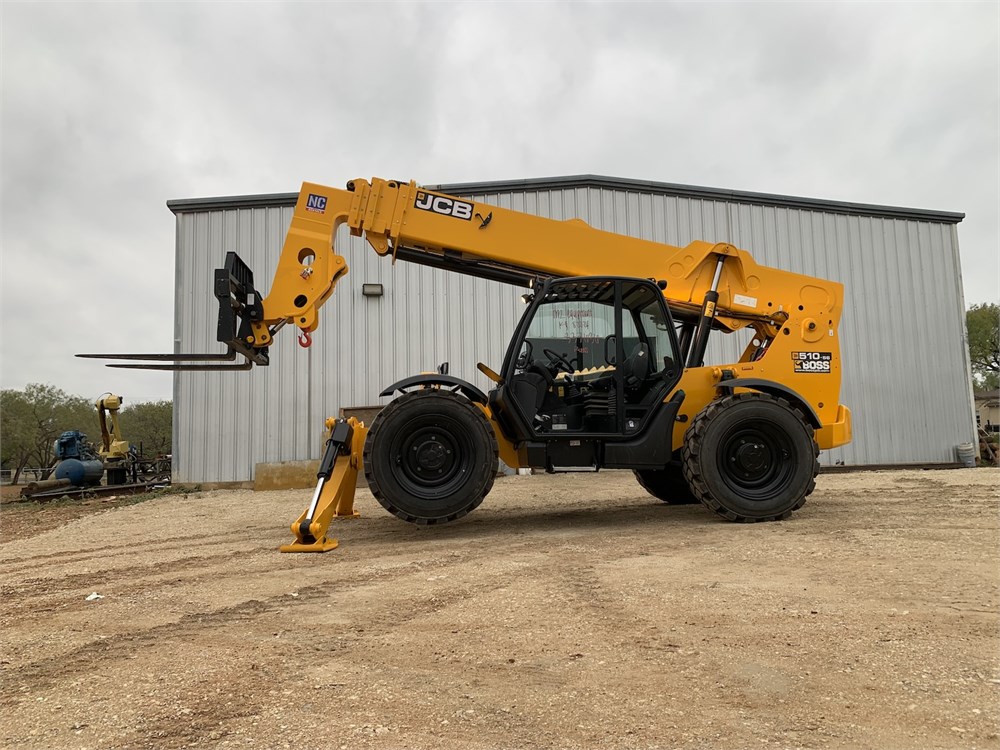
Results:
<point x="240" y="308"/>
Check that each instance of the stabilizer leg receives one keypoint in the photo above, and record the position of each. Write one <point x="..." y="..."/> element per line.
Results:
<point x="337" y="479"/>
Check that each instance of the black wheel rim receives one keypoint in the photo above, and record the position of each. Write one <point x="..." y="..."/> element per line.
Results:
<point x="430" y="456"/>
<point x="756" y="461"/>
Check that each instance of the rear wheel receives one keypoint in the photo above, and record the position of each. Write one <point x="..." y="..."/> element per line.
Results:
<point x="430" y="457"/>
<point x="751" y="457"/>
<point x="669" y="485"/>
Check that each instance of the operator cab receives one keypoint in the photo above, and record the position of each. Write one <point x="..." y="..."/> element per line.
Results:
<point x="591" y="361"/>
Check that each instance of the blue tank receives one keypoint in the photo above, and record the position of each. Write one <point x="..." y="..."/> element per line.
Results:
<point x="80" y="473"/>
<point x="80" y="465"/>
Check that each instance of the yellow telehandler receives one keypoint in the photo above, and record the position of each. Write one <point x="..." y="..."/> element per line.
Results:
<point x="605" y="369"/>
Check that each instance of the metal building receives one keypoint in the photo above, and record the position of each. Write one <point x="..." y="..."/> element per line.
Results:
<point x="906" y="369"/>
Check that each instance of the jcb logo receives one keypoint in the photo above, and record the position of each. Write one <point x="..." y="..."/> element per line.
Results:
<point x="812" y="361"/>
<point x="445" y="206"/>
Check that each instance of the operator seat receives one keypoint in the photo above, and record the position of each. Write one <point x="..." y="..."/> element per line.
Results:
<point x="635" y="368"/>
<point x="529" y="389"/>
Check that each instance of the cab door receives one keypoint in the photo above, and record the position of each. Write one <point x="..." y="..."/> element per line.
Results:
<point x="591" y="358"/>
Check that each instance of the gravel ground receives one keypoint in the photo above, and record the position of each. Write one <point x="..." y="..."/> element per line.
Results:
<point x="567" y="612"/>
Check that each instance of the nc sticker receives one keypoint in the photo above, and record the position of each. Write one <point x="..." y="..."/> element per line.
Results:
<point x="316" y="203"/>
<point x="812" y="361"/>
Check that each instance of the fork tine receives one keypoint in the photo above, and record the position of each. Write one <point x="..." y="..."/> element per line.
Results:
<point x="185" y="368"/>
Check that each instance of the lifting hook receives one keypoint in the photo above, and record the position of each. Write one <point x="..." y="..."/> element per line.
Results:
<point x="305" y="340"/>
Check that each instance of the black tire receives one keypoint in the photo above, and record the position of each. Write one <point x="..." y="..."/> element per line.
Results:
<point x="430" y="457"/>
<point x="751" y="457"/>
<point x="668" y="484"/>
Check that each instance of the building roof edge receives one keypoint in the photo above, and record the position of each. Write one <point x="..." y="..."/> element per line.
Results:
<point x="190" y="205"/>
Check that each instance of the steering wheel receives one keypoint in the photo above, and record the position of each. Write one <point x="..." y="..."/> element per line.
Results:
<point x="558" y="361"/>
<point x="524" y="359"/>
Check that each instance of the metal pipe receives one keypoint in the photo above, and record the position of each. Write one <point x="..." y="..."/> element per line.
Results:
<point x="684" y="343"/>
<point x="696" y="358"/>
<point x="43" y="485"/>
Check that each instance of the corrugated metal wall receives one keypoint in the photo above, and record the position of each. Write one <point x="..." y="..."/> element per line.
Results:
<point x="906" y="372"/>
<point x="225" y="423"/>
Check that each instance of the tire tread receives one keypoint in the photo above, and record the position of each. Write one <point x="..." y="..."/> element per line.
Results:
<point x="694" y="437"/>
<point x="406" y="401"/>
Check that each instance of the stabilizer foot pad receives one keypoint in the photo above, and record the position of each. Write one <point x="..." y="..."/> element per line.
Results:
<point x="323" y="545"/>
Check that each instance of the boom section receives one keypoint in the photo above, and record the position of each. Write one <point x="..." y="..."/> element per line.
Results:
<point x="408" y="222"/>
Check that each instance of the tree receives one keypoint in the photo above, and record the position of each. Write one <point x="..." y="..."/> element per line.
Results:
<point x="149" y="424"/>
<point x="983" y="325"/>
<point x="31" y="420"/>
<point x="16" y="437"/>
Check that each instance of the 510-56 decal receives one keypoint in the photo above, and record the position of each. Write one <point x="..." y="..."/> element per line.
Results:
<point x="812" y="361"/>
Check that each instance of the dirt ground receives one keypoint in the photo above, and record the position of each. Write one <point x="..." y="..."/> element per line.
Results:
<point x="567" y="612"/>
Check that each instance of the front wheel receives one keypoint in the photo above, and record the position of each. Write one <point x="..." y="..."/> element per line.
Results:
<point x="751" y="457"/>
<point x="430" y="457"/>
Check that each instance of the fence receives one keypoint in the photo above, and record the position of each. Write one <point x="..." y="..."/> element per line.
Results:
<point x="27" y="475"/>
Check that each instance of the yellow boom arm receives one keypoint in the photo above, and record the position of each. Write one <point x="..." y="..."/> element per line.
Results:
<point x="475" y="238"/>
<point x="714" y="285"/>
<point x="112" y="444"/>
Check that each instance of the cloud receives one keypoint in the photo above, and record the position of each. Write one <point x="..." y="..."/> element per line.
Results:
<point x="110" y="110"/>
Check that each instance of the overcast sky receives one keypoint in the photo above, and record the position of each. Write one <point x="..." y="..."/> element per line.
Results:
<point x="109" y="110"/>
